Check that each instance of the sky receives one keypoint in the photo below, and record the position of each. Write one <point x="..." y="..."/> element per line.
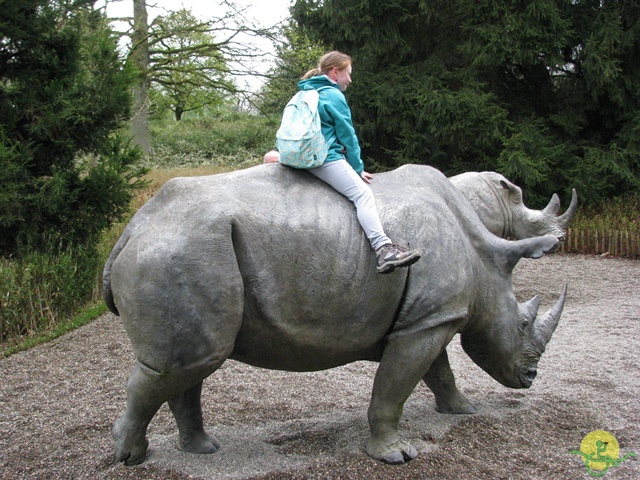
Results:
<point x="265" y="13"/>
<point x="268" y="12"/>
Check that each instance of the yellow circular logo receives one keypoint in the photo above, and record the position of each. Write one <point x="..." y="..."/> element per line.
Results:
<point x="600" y="448"/>
<point x="600" y="451"/>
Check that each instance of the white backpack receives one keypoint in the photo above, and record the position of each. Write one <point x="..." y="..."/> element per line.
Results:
<point x="299" y="138"/>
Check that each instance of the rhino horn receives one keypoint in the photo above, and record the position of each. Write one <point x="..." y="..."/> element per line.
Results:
<point x="545" y="326"/>
<point x="553" y="206"/>
<point x="566" y="217"/>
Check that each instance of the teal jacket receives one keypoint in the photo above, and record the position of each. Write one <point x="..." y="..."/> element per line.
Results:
<point x="337" y="127"/>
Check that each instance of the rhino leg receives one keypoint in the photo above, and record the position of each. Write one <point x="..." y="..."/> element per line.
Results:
<point x="406" y="359"/>
<point x="442" y="383"/>
<point x="147" y="390"/>
<point x="187" y="411"/>
<point x="129" y="431"/>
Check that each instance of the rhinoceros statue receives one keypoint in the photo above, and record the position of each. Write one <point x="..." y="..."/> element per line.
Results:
<point x="500" y="206"/>
<point x="269" y="266"/>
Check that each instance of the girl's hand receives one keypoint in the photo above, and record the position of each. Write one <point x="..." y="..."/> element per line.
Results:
<point x="366" y="177"/>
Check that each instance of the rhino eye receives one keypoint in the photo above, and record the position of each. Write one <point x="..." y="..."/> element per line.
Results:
<point x="524" y="323"/>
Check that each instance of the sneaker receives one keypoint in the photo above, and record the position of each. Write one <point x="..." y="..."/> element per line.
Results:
<point x="392" y="255"/>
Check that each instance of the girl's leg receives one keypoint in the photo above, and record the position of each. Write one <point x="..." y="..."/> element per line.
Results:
<point x="345" y="180"/>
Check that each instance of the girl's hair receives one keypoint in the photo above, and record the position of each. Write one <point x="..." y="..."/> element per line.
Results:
<point x="327" y="62"/>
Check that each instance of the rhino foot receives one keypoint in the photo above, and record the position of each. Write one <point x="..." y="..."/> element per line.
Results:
<point x="131" y="452"/>
<point x="202" y="443"/>
<point x="395" y="453"/>
<point x="456" y="404"/>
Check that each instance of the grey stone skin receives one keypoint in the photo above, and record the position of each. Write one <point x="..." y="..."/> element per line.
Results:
<point x="499" y="204"/>
<point x="269" y="266"/>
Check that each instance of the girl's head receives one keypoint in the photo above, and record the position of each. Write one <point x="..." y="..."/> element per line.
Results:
<point x="336" y="66"/>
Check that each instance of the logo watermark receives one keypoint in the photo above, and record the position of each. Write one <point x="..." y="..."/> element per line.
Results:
<point x="600" y="451"/>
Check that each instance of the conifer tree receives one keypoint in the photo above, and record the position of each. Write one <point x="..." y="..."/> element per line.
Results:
<point x="65" y="173"/>
<point x="544" y="91"/>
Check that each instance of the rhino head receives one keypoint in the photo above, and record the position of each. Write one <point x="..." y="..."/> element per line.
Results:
<point x="504" y="337"/>
<point x="510" y="348"/>
<point x="500" y="206"/>
<point x="523" y="222"/>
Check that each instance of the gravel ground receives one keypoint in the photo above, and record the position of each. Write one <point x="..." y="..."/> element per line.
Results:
<point x="58" y="402"/>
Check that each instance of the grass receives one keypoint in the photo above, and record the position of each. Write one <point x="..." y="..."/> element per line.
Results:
<point x="42" y="287"/>
<point x="621" y="213"/>
<point x="87" y="315"/>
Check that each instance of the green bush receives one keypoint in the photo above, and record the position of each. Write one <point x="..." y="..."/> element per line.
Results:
<point x="41" y="288"/>
<point x="620" y="213"/>
<point x="64" y="95"/>
<point x="237" y="139"/>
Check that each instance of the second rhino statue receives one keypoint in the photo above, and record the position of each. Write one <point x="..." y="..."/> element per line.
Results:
<point x="269" y="266"/>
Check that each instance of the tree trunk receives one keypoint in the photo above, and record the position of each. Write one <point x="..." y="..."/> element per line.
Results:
<point x="140" y="58"/>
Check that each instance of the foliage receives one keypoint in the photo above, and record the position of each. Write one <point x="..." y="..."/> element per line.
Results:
<point x="235" y="138"/>
<point x="619" y="213"/>
<point x="41" y="288"/>
<point x="85" y="316"/>
<point x="190" y="61"/>
<point x="544" y="91"/>
<point x="187" y="66"/>
<point x="295" y="56"/>
<point x="63" y="93"/>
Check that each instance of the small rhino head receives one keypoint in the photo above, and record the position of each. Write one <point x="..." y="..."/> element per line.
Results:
<point x="523" y="222"/>
<point x="510" y="346"/>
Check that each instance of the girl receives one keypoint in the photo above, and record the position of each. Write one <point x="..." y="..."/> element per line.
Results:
<point x="343" y="169"/>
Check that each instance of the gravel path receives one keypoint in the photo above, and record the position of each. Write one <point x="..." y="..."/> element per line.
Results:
<point x="58" y="402"/>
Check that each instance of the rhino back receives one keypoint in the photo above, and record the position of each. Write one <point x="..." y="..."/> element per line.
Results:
<point x="313" y="298"/>
<point x="287" y="242"/>
<point x="274" y="262"/>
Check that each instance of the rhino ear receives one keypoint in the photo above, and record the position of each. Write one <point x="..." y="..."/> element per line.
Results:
<point x="532" y="307"/>
<point x="515" y="192"/>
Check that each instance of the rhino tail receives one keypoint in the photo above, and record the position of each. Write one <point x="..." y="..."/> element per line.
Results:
<point x="107" y="293"/>
<point x="534" y="247"/>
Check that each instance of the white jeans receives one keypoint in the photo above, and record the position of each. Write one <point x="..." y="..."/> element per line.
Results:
<point x="341" y="176"/>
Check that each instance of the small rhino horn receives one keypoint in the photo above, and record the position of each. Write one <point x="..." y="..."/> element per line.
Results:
<point x="553" y="205"/>
<point x="532" y="307"/>
<point x="566" y="217"/>
<point x="546" y="325"/>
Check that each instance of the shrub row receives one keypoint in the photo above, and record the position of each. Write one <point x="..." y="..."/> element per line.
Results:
<point x="42" y="288"/>
<point x="233" y="140"/>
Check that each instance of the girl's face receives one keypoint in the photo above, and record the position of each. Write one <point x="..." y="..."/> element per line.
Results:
<point x="341" y="77"/>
